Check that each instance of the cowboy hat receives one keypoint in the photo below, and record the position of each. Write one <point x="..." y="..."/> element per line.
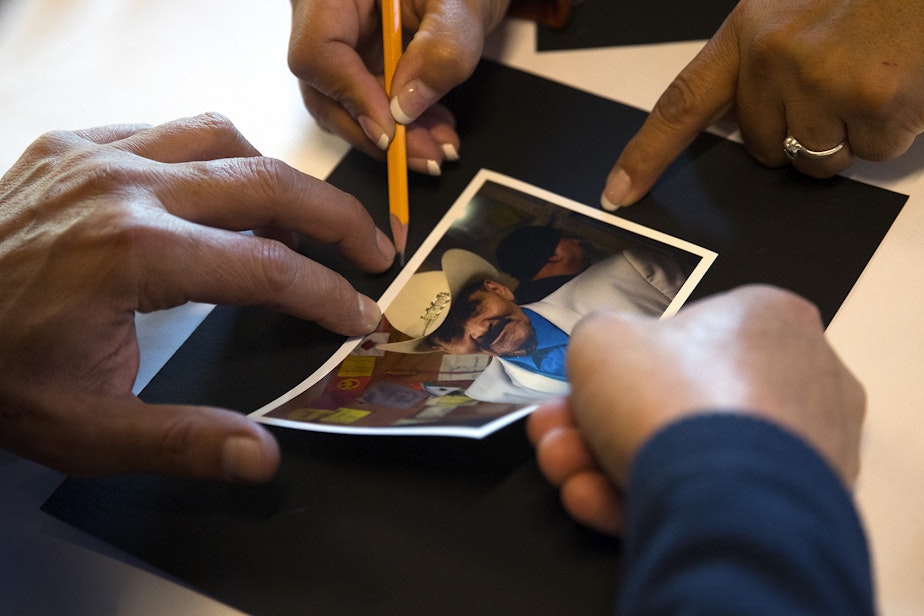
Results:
<point x="423" y="304"/>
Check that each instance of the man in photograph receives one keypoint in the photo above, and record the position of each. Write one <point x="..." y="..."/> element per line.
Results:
<point x="469" y="310"/>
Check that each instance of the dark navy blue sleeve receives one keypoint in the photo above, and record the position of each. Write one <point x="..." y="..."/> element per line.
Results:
<point x="733" y="515"/>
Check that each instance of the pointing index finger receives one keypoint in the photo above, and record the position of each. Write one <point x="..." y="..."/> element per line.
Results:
<point x="702" y="92"/>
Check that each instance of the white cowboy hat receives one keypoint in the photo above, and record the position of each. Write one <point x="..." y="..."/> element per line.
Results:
<point x="422" y="305"/>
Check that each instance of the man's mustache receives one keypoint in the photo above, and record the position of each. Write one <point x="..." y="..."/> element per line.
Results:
<point x="492" y="333"/>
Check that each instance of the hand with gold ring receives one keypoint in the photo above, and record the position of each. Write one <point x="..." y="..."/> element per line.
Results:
<point x="813" y="83"/>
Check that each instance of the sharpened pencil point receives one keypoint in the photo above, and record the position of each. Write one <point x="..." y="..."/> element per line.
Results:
<point x="399" y="236"/>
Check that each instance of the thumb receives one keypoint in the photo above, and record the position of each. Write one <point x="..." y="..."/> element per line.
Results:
<point x="443" y="53"/>
<point x="184" y="441"/>
<point x="701" y="94"/>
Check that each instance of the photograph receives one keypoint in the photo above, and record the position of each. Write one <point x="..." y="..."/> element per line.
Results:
<point x="476" y="326"/>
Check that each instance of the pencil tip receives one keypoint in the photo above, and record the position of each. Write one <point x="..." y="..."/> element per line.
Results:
<point x="399" y="234"/>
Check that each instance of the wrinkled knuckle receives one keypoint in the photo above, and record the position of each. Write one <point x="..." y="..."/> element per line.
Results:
<point x="216" y="121"/>
<point x="681" y="98"/>
<point x="272" y="177"/>
<point x="53" y="143"/>
<point x="220" y="128"/>
<point x="50" y="152"/>
<point x="276" y="266"/>
<point x="328" y="284"/>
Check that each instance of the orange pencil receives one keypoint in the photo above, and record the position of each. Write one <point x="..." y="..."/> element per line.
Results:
<point x="397" y="149"/>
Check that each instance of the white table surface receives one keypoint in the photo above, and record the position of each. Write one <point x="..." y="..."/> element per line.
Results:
<point x="67" y="64"/>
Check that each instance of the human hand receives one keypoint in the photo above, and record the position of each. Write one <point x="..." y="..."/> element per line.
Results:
<point x="824" y="71"/>
<point x="564" y="456"/>
<point x="100" y="223"/>
<point x="336" y="52"/>
<point x="756" y="350"/>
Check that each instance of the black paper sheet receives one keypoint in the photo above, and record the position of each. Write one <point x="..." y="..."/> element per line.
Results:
<point x="610" y="23"/>
<point x="405" y="525"/>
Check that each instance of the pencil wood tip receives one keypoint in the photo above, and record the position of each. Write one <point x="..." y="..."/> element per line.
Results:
<point x="399" y="235"/>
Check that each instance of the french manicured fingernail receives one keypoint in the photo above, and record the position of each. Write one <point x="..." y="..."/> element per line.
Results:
<point x="242" y="459"/>
<point x="450" y="152"/>
<point x="606" y="205"/>
<point x="411" y="101"/>
<point x="385" y="245"/>
<point x="618" y="185"/>
<point x="424" y="165"/>
<point x="369" y="310"/>
<point x="374" y="132"/>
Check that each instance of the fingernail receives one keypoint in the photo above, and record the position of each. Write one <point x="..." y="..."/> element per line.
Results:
<point x="385" y="245"/>
<point x="415" y="98"/>
<point x="242" y="459"/>
<point x="424" y="165"/>
<point x="618" y="185"/>
<point x="369" y="313"/>
<point x="374" y="132"/>
<point x="606" y="205"/>
<point x="450" y="152"/>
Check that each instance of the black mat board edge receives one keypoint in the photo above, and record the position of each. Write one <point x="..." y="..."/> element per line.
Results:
<point x="612" y="23"/>
<point x="388" y="525"/>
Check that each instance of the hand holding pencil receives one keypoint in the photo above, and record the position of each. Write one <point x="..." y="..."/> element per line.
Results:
<point x="336" y="52"/>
